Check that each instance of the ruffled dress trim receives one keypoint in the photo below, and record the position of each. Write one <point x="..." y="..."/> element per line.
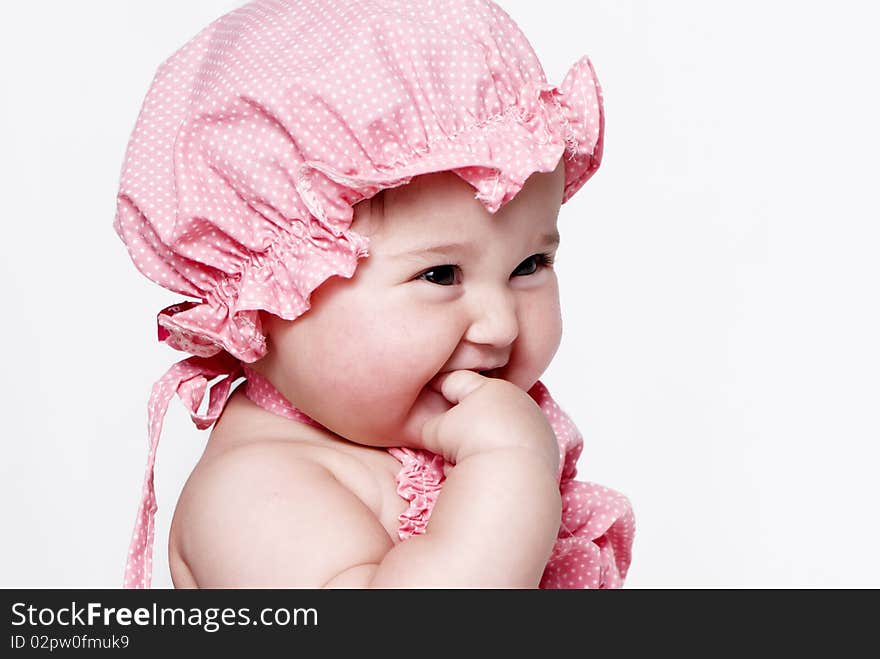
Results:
<point x="418" y="482"/>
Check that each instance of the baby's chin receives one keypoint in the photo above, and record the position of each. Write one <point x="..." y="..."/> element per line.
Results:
<point x="408" y="431"/>
<point x="427" y="404"/>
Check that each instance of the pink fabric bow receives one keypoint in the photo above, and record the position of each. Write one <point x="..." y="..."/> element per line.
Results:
<point x="188" y="379"/>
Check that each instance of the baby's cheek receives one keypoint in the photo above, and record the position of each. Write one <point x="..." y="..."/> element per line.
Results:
<point x="539" y="339"/>
<point x="552" y="333"/>
<point x="376" y="385"/>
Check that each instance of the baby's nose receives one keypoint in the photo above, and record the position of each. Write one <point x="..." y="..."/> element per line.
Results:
<point x="495" y="320"/>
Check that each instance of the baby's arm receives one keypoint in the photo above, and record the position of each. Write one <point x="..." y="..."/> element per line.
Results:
<point x="493" y="526"/>
<point x="266" y="516"/>
<point x="271" y="518"/>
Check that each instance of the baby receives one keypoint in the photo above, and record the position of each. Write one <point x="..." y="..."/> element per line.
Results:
<point x="363" y="198"/>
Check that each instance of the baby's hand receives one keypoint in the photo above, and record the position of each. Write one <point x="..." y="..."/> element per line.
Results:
<point x="489" y="414"/>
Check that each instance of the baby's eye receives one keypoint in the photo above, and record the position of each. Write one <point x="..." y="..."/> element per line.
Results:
<point x="539" y="260"/>
<point x="445" y="275"/>
<point x="441" y="272"/>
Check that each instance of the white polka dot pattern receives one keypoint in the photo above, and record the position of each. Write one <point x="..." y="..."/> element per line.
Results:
<point x="258" y="136"/>
<point x="594" y="546"/>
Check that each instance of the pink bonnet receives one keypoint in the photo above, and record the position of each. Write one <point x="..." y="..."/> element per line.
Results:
<point x="258" y="136"/>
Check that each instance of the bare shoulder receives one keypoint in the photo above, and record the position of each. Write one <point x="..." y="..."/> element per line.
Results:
<point x="266" y="514"/>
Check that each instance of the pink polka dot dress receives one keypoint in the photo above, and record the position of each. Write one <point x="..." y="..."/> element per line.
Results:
<point x="593" y="547"/>
<point x="254" y="142"/>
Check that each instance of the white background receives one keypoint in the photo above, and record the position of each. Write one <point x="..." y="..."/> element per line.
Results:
<point x="719" y="279"/>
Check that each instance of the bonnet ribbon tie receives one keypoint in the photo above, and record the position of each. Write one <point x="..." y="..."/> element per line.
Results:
<point x="189" y="380"/>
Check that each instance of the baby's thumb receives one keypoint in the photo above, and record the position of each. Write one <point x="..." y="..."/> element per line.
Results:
<point x="456" y="385"/>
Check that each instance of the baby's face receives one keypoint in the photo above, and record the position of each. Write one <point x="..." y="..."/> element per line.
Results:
<point x="361" y="359"/>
